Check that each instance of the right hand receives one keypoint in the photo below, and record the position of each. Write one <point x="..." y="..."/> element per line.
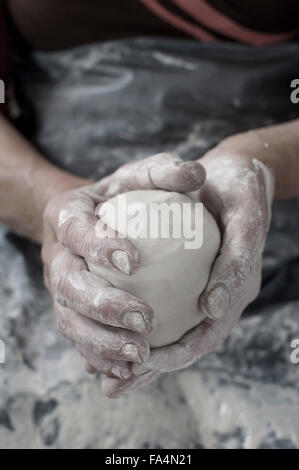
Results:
<point x="107" y="325"/>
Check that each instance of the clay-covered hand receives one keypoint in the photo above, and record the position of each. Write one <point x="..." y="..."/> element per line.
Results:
<point x="107" y="325"/>
<point x="239" y="193"/>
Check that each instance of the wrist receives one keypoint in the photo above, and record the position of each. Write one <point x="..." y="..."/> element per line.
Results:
<point x="250" y="149"/>
<point x="48" y="182"/>
<point x="248" y="145"/>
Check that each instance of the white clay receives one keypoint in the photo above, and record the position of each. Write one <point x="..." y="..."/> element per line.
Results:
<point x="171" y="277"/>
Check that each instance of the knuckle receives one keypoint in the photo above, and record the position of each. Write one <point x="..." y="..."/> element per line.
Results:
<point x="44" y="254"/>
<point x="61" y="292"/>
<point x="49" y="211"/>
<point x="97" y="310"/>
<point x="246" y="265"/>
<point x="246" y="270"/>
<point x="100" y="351"/>
<point x="63" y="325"/>
<point x="243" y="265"/>
<point x="46" y="277"/>
<point x="67" y="231"/>
<point x="163" y="157"/>
<point x="90" y="369"/>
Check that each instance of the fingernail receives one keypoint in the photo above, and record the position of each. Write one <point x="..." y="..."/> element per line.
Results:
<point x="135" y="321"/>
<point x="194" y="173"/>
<point x="120" y="259"/>
<point x="120" y="373"/>
<point x="131" y="353"/>
<point x="218" y="302"/>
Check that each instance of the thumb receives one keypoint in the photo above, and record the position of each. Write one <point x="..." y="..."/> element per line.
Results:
<point x="234" y="281"/>
<point x="163" y="171"/>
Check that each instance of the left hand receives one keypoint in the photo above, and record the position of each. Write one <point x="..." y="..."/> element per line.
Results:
<point x="239" y="193"/>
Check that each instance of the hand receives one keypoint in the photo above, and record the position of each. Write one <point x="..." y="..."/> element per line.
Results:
<point x="107" y="325"/>
<point x="238" y="192"/>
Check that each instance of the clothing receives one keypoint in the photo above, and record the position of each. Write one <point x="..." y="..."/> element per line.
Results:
<point x="56" y="24"/>
<point x="52" y="24"/>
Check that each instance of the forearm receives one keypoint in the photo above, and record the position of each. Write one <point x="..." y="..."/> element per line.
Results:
<point x="27" y="183"/>
<point x="277" y="147"/>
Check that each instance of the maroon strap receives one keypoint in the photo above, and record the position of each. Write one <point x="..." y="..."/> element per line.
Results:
<point x="5" y="55"/>
<point x="208" y="22"/>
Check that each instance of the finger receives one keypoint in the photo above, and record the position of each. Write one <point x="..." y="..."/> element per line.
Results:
<point x="163" y="171"/>
<point x="77" y="228"/>
<point x="235" y="277"/>
<point x="90" y="369"/>
<point x="166" y="359"/>
<point x="98" y="245"/>
<point x="81" y="291"/>
<point x="114" y="388"/>
<point x="103" y="341"/>
<point x="198" y="342"/>
<point x="46" y="277"/>
<point x="210" y="335"/>
<point x="95" y="365"/>
<point x="95" y="298"/>
<point x="238" y="190"/>
<point x="59" y="263"/>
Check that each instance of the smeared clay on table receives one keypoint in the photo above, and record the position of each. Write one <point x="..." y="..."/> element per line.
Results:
<point x="171" y="277"/>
